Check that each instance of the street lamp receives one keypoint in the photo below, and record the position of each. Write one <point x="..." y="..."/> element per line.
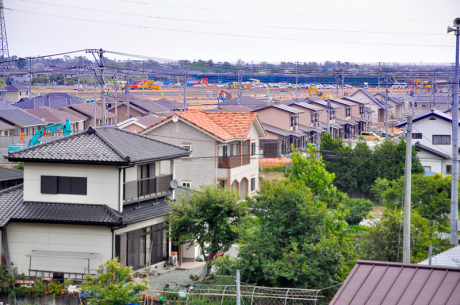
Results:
<point x="454" y="196"/>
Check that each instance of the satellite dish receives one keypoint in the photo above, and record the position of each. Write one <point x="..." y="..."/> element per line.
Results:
<point x="175" y="119"/>
<point x="174" y="184"/>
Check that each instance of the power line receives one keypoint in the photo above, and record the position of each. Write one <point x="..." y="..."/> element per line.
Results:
<point x="282" y="14"/>
<point x="228" y="23"/>
<point x="231" y="35"/>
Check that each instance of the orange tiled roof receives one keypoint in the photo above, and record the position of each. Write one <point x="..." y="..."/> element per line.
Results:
<point x="224" y="125"/>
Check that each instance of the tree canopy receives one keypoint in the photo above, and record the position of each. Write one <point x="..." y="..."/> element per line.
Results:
<point x="209" y="218"/>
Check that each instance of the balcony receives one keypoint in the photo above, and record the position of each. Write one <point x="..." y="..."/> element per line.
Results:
<point x="158" y="186"/>
<point x="234" y="161"/>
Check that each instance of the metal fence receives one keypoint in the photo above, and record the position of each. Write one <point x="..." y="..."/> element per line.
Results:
<point x="203" y="294"/>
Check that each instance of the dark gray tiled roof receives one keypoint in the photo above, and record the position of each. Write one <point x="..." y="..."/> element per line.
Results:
<point x="20" y="117"/>
<point x="15" y="87"/>
<point x="245" y="101"/>
<point x="13" y="208"/>
<point x="382" y="96"/>
<point x="52" y="100"/>
<point x="146" y="210"/>
<point x="10" y="174"/>
<point x="108" y="145"/>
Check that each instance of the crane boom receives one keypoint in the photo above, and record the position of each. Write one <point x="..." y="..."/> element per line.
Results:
<point x="36" y="139"/>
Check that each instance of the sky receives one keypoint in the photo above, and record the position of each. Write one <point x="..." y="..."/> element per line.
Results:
<point x="255" y="31"/>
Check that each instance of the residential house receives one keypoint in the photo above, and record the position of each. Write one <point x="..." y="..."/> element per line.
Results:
<point x="364" y="113"/>
<point x="281" y="123"/>
<point x="86" y="198"/>
<point x="10" y="177"/>
<point x="432" y="137"/>
<point x="372" y="282"/>
<point x="378" y="107"/>
<point x="14" y="93"/>
<point x="23" y="122"/>
<point x="86" y="112"/>
<point x="51" y="100"/>
<point x="139" y="124"/>
<point x="344" y="117"/>
<point x="224" y="148"/>
<point x="53" y="116"/>
<point x="448" y="258"/>
<point x="308" y="119"/>
<point x="336" y="128"/>
<point x="397" y="110"/>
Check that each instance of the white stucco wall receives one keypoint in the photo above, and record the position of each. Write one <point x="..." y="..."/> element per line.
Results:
<point x="435" y="163"/>
<point x="428" y="128"/>
<point x="25" y="237"/>
<point x="102" y="187"/>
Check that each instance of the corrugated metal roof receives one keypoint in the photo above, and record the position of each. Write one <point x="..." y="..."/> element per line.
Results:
<point x="386" y="283"/>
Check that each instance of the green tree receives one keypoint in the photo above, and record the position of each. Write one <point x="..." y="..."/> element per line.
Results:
<point x="430" y="195"/>
<point x="298" y="242"/>
<point x="112" y="285"/>
<point x="313" y="174"/>
<point x="379" y="187"/>
<point x="209" y="218"/>
<point x="359" y="208"/>
<point x="383" y="241"/>
<point x="20" y="166"/>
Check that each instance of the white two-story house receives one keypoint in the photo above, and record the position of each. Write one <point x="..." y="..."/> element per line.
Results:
<point x="87" y="198"/>
<point x="432" y="139"/>
<point x="224" y="148"/>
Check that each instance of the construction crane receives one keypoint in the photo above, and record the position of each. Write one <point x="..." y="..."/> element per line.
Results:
<point x="223" y="96"/>
<point x="423" y="82"/>
<point x="36" y="139"/>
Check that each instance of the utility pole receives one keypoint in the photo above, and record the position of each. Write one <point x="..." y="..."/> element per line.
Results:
<point x="433" y="94"/>
<point x="328" y="115"/>
<point x="296" y="81"/>
<point x="30" y="77"/>
<point x="386" y="110"/>
<point x="238" y="290"/>
<point x="413" y="97"/>
<point x="240" y="86"/>
<point x="78" y="88"/>
<point x="318" y="145"/>
<point x="143" y="85"/>
<point x="430" y="253"/>
<point x="343" y="80"/>
<point x="116" y="98"/>
<point x="454" y="192"/>
<point x="185" y="93"/>
<point x="407" y="192"/>
<point x="101" y="58"/>
<point x="378" y="90"/>
<point x="127" y="96"/>
<point x="95" y="106"/>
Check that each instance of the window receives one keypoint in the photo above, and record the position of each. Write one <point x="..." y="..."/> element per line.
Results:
<point x="188" y="148"/>
<point x="63" y="185"/>
<point x="348" y="111"/>
<point x="332" y="115"/>
<point x="225" y="151"/>
<point x="449" y="169"/>
<point x="361" y="109"/>
<point x="253" y="184"/>
<point x="441" y="139"/>
<point x="416" y="135"/>
<point x="187" y="184"/>
<point x="314" y="117"/>
<point x="253" y="148"/>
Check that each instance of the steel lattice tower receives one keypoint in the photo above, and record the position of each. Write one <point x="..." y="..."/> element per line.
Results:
<point x="4" y="53"/>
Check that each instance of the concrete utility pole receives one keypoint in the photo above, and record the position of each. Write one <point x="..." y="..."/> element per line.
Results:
<point x="413" y="97"/>
<point x="240" y="86"/>
<point x="101" y="58"/>
<point x="430" y="253"/>
<point x="328" y="108"/>
<point x="296" y="80"/>
<point x="143" y="85"/>
<point x="95" y="106"/>
<point x="116" y="97"/>
<point x="343" y="80"/>
<point x="407" y="192"/>
<point x="318" y="145"/>
<point x="127" y="96"/>
<point x="386" y="110"/>
<point x="378" y="90"/>
<point x="185" y="93"/>
<point x="238" y="290"/>
<point x="433" y="94"/>
<point x="30" y="77"/>
<point x="454" y="192"/>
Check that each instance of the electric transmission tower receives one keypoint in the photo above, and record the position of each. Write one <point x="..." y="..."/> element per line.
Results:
<point x="4" y="53"/>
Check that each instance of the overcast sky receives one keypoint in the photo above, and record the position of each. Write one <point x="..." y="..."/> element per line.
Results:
<point x="255" y="30"/>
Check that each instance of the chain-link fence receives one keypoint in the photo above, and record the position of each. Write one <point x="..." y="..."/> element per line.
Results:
<point x="204" y="294"/>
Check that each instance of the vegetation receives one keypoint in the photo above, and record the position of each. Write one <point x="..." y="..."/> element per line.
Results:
<point x="20" y="166"/>
<point x="112" y="285"/>
<point x="209" y="218"/>
<point x="383" y="241"/>
<point x="358" y="210"/>
<point x="430" y="195"/>
<point x="386" y="161"/>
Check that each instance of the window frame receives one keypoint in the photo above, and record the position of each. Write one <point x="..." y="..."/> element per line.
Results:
<point x="449" y="172"/>
<point x="418" y="137"/>
<point x="253" y="148"/>
<point x="437" y="135"/>
<point x="186" y="182"/>
<point x="225" y="151"/>
<point x="71" y="190"/>
<point x="189" y="149"/>
<point x="253" y="184"/>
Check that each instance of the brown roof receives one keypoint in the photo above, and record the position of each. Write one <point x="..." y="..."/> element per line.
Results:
<point x="86" y="110"/>
<point x="51" y="115"/>
<point x="149" y="120"/>
<point x="385" y="283"/>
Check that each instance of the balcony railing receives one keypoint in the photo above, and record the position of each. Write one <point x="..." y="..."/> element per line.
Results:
<point x="234" y="161"/>
<point x="157" y="186"/>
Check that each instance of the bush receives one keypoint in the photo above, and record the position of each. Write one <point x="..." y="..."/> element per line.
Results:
<point x="359" y="209"/>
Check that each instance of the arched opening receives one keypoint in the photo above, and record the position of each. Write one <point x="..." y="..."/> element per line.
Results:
<point x="244" y="187"/>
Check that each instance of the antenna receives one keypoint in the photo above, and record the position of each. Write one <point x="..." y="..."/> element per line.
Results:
<point x="4" y="53"/>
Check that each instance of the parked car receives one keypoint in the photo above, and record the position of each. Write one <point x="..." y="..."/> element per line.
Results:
<point x="370" y="136"/>
<point x="380" y="133"/>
